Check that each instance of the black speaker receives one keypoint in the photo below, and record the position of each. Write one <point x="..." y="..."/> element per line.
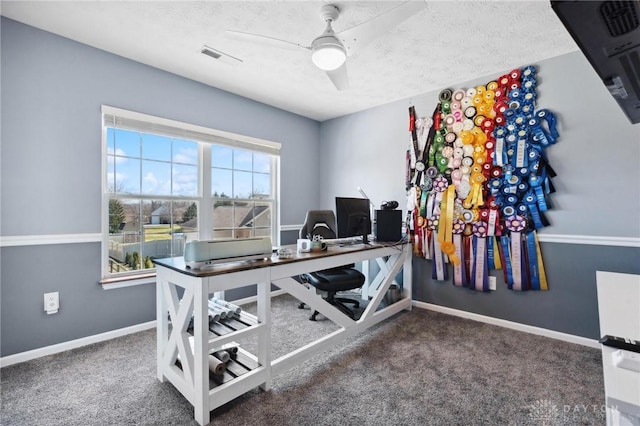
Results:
<point x="388" y="225"/>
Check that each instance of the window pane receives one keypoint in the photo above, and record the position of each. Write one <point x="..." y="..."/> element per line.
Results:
<point x="156" y="178"/>
<point x="242" y="184"/>
<point x="156" y="212"/>
<point x="261" y="162"/>
<point x="261" y="185"/>
<point x="185" y="152"/>
<point x="185" y="180"/>
<point x="125" y="235"/>
<point x="236" y="219"/>
<point x="262" y="216"/>
<point x="242" y="160"/>
<point x="157" y="230"/>
<point x="133" y="216"/>
<point x="156" y="147"/>
<point x="157" y="235"/>
<point x="185" y="219"/>
<point x="111" y="141"/>
<point x="166" y="226"/>
<point x="127" y="175"/>
<point x="243" y="219"/>
<point x="185" y="214"/>
<point x="223" y="220"/>
<point x="221" y="156"/>
<point x="221" y="183"/>
<point x="127" y="143"/>
<point x="116" y="216"/>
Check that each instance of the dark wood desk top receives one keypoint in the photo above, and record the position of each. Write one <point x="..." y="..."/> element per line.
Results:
<point x="178" y="264"/>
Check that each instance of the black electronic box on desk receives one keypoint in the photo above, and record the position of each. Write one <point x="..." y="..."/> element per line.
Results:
<point x="388" y="225"/>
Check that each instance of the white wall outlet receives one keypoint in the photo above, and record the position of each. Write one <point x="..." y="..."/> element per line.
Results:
<point x="492" y="282"/>
<point x="51" y="303"/>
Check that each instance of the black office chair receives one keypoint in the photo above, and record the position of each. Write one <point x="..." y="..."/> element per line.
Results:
<point x="334" y="280"/>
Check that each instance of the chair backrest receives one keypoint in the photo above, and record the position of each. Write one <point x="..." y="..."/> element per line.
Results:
<point x="319" y="222"/>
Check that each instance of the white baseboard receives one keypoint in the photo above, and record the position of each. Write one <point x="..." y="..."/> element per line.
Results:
<point x="510" y="324"/>
<point x="77" y="343"/>
<point x="73" y="344"/>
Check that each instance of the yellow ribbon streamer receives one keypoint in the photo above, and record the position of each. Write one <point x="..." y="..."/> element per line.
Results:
<point x="445" y="229"/>
<point x="543" y="275"/>
<point x="496" y="254"/>
<point x="474" y="199"/>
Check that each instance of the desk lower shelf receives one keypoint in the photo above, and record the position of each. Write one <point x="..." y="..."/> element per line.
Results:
<point x="225" y="330"/>
<point x="225" y="326"/>
<point x="238" y="365"/>
<point x="220" y="334"/>
<point x="229" y="325"/>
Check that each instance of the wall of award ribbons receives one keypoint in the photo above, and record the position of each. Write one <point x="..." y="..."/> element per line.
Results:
<point x="478" y="178"/>
<point x="592" y="215"/>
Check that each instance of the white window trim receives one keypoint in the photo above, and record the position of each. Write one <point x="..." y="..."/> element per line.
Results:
<point x="189" y="131"/>
<point x="137" y="121"/>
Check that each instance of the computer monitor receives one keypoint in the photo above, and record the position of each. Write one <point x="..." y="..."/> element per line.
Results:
<point x="353" y="217"/>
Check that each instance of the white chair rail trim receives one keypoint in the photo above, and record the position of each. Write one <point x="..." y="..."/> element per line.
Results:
<point x="36" y="240"/>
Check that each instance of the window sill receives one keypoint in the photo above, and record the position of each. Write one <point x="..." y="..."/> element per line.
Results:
<point x="128" y="281"/>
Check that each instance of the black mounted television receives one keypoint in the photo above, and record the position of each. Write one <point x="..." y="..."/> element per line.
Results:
<point x="353" y="218"/>
<point x="608" y="33"/>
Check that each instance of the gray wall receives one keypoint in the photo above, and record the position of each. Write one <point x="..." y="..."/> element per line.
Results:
<point x="52" y="91"/>
<point x="570" y="306"/>
<point x="598" y="193"/>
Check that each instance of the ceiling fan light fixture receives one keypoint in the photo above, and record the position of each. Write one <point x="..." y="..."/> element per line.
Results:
<point x="328" y="53"/>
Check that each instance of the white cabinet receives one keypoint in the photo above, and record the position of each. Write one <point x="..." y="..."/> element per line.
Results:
<point x="619" y="314"/>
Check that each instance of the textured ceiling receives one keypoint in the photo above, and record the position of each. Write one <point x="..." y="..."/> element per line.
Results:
<point x="448" y="42"/>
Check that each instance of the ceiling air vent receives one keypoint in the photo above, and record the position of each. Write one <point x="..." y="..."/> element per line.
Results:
<point x="220" y="56"/>
<point x="620" y="17"/>
<point x="211" y="52"/>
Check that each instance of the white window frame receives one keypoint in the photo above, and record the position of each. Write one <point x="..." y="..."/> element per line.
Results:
<point x="136" y="121"/>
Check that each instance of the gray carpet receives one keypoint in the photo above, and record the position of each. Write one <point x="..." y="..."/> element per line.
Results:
<point x="419" y="368"/>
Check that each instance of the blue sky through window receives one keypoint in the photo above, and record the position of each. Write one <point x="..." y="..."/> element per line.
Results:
<point x="148" y="164"/>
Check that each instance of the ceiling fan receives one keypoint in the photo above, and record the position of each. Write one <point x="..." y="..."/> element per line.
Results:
<point x="329" y="50"/>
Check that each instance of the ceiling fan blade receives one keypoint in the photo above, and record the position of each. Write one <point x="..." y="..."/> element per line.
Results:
<point x="356" y="37"/>
<point x="339" y="77"/>
<point x="267" y="40"/>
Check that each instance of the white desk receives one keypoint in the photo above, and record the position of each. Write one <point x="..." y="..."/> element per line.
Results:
<point x="175" y="343"/>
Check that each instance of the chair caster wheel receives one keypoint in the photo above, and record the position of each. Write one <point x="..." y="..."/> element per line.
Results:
<point x="301" y="305"/>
